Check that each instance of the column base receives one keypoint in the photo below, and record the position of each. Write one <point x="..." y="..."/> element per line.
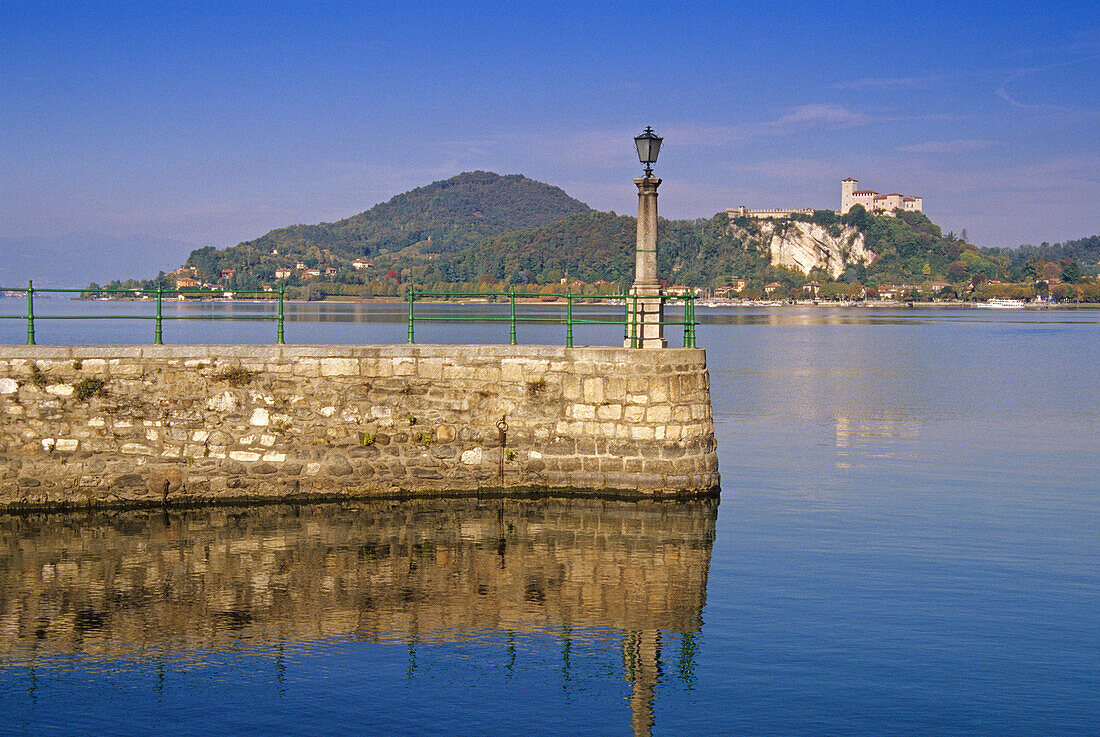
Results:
<point x="644" y="329"/>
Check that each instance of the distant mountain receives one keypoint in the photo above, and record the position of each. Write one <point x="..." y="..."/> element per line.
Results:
<point x="79" y="258"/>
<point x="453" y="213"/>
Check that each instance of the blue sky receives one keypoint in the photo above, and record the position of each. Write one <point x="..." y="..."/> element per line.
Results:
<point x="213" y="123"/>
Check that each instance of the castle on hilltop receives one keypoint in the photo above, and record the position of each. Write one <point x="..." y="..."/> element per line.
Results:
<point x="883" y="204"/>
<point x="873" y="201"/>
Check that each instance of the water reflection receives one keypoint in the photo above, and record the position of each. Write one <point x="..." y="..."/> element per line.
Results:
<point x="150" y="585"/>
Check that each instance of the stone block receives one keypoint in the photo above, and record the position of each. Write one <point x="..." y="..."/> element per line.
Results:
<point x="536" y="370"/>
<point x="454" y="372"/>
<point x="593" y="390"/>
<point x="378" y="368"/>
<point x="512" y="370"/>
<point x="96" y="366"/>
<point x="339" y="367"/>
<point x="244" y="455"/>
<point x="260" y="417"/>
<point x="488" y="374"/>
<point x="658" y="390"/>
<point x="615" y="389"/>
<point x="123" y="367"/>
<point x="404" y="366"/>
<point x="609" y="411"/>
<point x="658" y="414"/>
<point x="306" y="367"/>
<point x="8" y="386"/>
<point x="225" y="403"/>
<point x="430" y="368"/>
<point x="583" y="412"/>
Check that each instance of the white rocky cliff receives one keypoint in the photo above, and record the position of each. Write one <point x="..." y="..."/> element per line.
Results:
<point x="804" y="246"/>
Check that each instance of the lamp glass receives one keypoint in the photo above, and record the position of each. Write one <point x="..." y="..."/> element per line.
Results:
<point x="648" y="145"/>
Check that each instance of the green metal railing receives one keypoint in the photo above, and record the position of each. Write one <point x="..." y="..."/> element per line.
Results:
<point x="629" y="320"/>
<point x="632" y="326"/>
<point x="158" y="318"/>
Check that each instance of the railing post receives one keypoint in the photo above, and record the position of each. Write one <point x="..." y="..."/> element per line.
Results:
<point x="626" y="320"/>
<point x="411" y="295"/>
<point x="512" y="311"/>
<point x="569" y="318"/>
<point x="157" y="334"/>
<point x="30" y="312"/>
<point x="279" y="340"/>
<point x="686" y="317"/>
<point x="634" y="322"/>
<point x="691" y="303"/>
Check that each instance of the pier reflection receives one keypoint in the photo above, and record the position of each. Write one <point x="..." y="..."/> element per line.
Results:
<point x="123" y="585"/>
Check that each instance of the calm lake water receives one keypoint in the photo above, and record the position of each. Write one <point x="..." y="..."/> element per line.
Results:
<point x="907" y="542"/>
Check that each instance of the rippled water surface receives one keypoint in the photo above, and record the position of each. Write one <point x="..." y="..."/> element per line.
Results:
<point x="907" y="542"/>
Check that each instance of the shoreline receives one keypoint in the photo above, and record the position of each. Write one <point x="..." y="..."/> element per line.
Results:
<point x="579" y="300"/>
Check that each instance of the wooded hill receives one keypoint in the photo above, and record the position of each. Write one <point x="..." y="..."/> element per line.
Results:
<point x="452" y="214"/>
<point x="481" y="227"/>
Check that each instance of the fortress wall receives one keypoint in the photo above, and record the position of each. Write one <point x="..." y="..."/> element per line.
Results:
<point x="98" y="425"/>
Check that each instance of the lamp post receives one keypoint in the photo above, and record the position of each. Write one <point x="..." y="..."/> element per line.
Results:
<point x="644" y="329"/>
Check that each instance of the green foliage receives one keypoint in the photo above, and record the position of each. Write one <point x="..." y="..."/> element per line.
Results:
<point x="38" y="378"/>
<point x="588" y="246"/>
<point x="88" y="388"/>
<point x="1082" y="251"/>
<point x="236" y="377"/>
<point x="1071" y="271"/>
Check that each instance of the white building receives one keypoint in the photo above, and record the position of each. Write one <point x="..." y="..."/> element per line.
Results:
<point x="744" y="212"/>
<point x="873" y="201"/>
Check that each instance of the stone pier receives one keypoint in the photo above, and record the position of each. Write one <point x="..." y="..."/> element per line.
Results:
<point x="97" y="425"/>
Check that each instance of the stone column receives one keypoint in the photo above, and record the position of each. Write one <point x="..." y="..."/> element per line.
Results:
<point x="645" y="310"/>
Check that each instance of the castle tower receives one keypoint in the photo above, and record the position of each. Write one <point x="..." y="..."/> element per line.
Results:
<point x="847" y="192"/>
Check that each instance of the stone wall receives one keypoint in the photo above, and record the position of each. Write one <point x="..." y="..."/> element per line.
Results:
<point x="88" y="425"/>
